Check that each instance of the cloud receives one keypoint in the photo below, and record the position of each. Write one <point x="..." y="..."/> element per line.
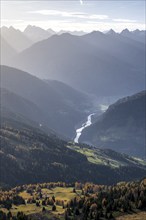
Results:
<point x="124" y="20"/>
<point x="57" y="13"/>
<point x="49" y="12"/>
<point x="13" y="20"/>
<point x="101" y="17"/>
<point x="70" y="14"/>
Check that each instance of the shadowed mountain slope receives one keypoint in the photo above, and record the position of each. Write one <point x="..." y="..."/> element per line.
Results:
<point x="30" y="156"/>
<point x="122" y="127"/>
<point x="51" y="108"/>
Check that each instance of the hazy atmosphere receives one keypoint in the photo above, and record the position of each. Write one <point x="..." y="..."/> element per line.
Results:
<point x="74" y="15"/>
<point x="73" y="110"/>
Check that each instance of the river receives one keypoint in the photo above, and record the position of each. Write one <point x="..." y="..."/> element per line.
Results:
<point x="88" y="122"/>
<point x="84" y="125"/>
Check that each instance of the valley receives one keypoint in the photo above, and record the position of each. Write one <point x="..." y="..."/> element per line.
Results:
<point x="72" y="110"/>
<point x="98" y="110"/>
<point x="50" y="103"/>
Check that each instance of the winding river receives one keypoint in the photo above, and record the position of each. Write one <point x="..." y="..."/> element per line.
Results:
<point x="84" y="125"/>
<point x="88" y="122"/>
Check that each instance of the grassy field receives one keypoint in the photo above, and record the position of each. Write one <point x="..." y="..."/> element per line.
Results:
<point x="94" y="156"/>
<point x="61" y="193"/>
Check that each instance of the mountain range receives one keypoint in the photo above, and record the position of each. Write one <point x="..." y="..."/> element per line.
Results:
<point x="96" y="63"/>
<point x="77" y="33"/>
<point x="15" y="38"/>
<point x="37" y="34"/>
<point x="135" y="35"/>
<point x="49" y="103"/>
<point x="50" y="83"/>
<point x="110" y="63"/>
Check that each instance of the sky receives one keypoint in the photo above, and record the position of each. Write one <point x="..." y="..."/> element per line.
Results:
<point x="85" y="15"/>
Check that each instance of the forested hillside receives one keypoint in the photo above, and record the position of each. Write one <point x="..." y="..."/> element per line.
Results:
<point x="122" y="127"/>
<point x="76" y="201"/>
<point x="28" y="155"/>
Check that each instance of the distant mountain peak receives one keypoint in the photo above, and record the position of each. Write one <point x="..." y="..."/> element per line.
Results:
<point x="111" y="32"/>
<point x="51" y="31"/>
<point x="28" y="27"/>
<point x="33" y="28"/>
<point x="3" y="28"/>
<point x="66" y="34"/>
<point x="137" y="35"/>
<point x="125" y="31"/>
<point x="137" y="31"/>
<point x="15" y="38"/>
<point x="36" y="33"/>
<point x="12" y="28"/>
<point x="77" y="33"/>
<point x="97" y="32"/>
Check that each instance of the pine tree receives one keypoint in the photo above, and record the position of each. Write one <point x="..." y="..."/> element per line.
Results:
<point x="43" y="209"/>
<point x="53" y="208"/>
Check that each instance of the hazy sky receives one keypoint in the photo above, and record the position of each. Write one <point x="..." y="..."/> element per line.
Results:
<point x="74" y="15"/>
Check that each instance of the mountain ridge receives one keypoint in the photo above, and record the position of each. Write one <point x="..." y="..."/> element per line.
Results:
<point x="59" y="110"/>
<point x="121" y="127"/>
<point x="100" y="64"/>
